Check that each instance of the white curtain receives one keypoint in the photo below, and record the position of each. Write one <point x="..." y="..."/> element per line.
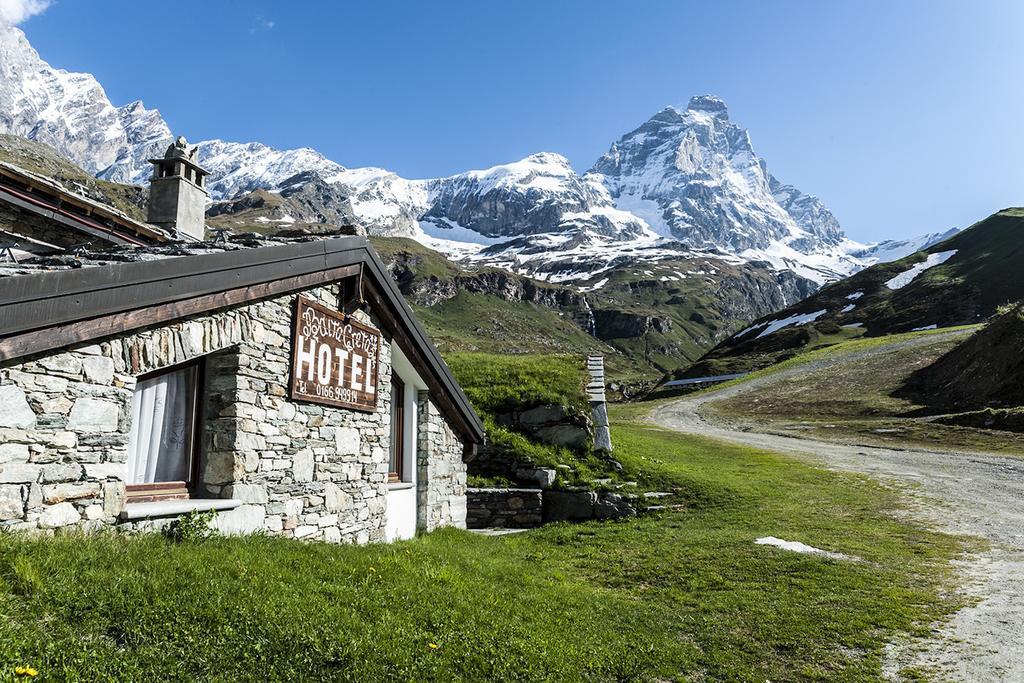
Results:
<point x="159" y="448"/>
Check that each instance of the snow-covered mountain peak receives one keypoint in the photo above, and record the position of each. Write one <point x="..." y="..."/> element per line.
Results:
<point x="694" y="175"/>
<point x="709" y="104"/>
<point x="685" y="179"/>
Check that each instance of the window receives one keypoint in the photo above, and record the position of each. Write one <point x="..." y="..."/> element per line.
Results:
<point x="162" y="452"/>
<point x="397" y="428"/>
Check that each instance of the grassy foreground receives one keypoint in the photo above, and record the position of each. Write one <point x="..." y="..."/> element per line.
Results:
<point x="684" y="595"/>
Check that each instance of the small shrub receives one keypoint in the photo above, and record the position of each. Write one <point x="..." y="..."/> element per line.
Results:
<point x="192" y="527"/>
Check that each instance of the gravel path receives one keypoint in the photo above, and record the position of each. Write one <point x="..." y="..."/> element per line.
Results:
<point x="963" y="493"/>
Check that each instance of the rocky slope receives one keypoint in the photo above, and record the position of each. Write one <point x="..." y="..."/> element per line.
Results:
<point x="71" y="113"/>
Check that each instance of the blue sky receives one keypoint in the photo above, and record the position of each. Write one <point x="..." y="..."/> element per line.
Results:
<point x="904" y="117"/>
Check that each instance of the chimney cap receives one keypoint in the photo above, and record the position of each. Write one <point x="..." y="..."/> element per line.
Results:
<point x="180" y="149"/>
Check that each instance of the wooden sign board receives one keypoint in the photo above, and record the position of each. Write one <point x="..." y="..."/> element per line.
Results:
<point x="334" y="361"/>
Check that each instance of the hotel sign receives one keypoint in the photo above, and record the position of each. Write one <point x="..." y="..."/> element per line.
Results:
<point x="334" y="361"/>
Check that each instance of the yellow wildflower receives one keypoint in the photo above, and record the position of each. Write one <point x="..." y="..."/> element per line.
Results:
<point x="432" y="646"/>
<point x="25" y="671"/>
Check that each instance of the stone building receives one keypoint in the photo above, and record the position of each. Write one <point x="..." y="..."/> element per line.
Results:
<point x="283" y="382"/>
<point x="131" y="393"/>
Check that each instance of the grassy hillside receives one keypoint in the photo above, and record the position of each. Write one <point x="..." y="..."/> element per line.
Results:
<point x="986" y="370"/>
<point x="854" y="392"/>
<point x="682" y="595"/>
<point x="44" y="160"/>
<point x="646" y="319"/>
<point x="980" y="382"/>
<point x="982" y="274"/>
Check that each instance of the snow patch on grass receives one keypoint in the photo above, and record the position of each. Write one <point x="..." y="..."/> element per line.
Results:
<point x="907" y="276"/>
<point x="798" y="547"/>
<point x="798" y="319"/>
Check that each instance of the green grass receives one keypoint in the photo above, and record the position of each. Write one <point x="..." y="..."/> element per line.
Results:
<point x="676" y="596"/>
<point x="500" y="384"/>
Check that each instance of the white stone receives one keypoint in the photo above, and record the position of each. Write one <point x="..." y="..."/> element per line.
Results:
<point x="14" y="409"/>
<point x="302" y="467"/>
<point x="64" y="363"/>
<point x="332" y="534"/>
<point x="61" y="472"/>
<point x="346" y="440"/>
<point x="58" y="493"/>
<point x="105" y="470"/>
<point x="94" y="414"/>
<point x="60" y="405"/>
<point x="113" y="497"/>
<point x="335" y="499"/>
<point x="19" y="473"/>
<point x="248" y="442"/>
<point x="61" y="514"/>
<point x="50" y="383"/>
<point x="306" y="530"/>
<point x="94" y="512"/>
<point x="98" y="369"/>
<point x="293" y="507"/>
<point x="247" y="493"/>
<point x="62" y="439"/>
<point x="12" y="506"/>
<point x="244" y="519"/>
<point x="17" y="452"/>
<point x="286" y="412"/>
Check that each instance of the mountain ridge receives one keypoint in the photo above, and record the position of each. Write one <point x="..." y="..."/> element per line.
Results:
<point x="712" y="193"/>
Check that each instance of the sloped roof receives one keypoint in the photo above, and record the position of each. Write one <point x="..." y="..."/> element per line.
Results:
<point x="48" y="309"/>
<point x="50" y="199"/>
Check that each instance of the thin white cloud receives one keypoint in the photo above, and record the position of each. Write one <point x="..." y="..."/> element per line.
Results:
<point x="259" y="24"/>
<point x="14" y="12"/>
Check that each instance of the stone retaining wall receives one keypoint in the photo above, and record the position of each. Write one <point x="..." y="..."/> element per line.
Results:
<point x="504" y="508"/>
<point x="301" y="470"/>
<point x="520" y="508"/>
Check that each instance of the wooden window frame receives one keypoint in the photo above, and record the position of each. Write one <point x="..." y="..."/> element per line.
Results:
<point x="397" y="428"/>
<point x="178" y="490"/>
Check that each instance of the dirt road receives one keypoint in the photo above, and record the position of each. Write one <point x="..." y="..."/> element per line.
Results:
<point x="963" y="493"/>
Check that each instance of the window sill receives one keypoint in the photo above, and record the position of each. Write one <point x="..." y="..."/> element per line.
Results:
<point x="400" y="485"/>
<point x="171" y="508"/>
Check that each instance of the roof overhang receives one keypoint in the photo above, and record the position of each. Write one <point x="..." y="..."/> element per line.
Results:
<point x="52" y="310"/>
<point x="42" y="196"/>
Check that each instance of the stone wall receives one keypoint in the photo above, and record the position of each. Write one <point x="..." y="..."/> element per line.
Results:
<point x="441" y="471"/>
<point x="504" y="508"/>
<point x="300" y="470"/>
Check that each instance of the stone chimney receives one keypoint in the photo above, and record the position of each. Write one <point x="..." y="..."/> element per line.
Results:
<point x="177" y="192"/>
